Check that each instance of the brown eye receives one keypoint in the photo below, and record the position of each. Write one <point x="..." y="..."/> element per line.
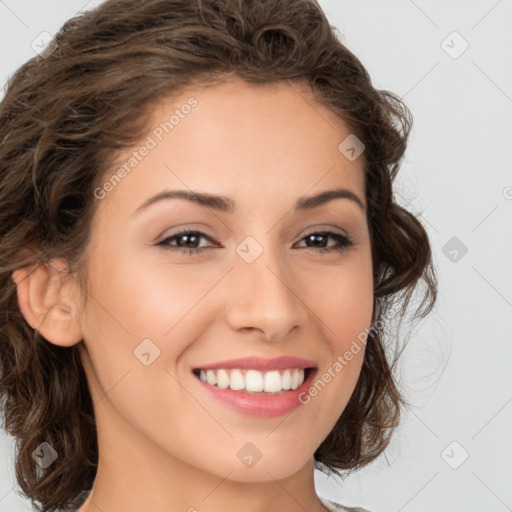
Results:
<point x="319" y="238"/>
<point x="189" y="241"/>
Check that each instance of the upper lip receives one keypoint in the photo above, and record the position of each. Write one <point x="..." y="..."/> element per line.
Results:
<point x="261" y="363"/>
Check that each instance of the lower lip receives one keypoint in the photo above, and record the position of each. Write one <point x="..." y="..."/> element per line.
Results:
<point x="263" y="406"/>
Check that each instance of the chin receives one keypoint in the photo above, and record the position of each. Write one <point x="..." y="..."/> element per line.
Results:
<point x="276" y="467"/>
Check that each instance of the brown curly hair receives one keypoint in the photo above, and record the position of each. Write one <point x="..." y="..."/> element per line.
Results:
<point x="66" y="115"/>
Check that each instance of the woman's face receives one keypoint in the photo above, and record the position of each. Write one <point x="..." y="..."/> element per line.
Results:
<point x="257" y="285"/>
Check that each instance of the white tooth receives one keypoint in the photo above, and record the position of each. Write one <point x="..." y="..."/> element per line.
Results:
<point x="286" y="380"/>
<point x="297" y="378"/>
<point x="237" y="380"/>
<point x="253" y="381"/>
<point x="211" y="378"/>
<point x="272" y="382"/>
<point x="222" y="379"/>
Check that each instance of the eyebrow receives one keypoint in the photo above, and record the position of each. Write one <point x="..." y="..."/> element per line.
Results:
<point x="224" y="204"/>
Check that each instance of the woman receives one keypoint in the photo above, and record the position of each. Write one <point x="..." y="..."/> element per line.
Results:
<point x="200" y="254"/>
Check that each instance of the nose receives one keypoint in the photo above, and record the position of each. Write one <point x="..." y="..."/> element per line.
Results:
<point x="264" y="297"/>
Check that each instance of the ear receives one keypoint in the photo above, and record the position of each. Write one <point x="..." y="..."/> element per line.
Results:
<point x="48" y="300"/>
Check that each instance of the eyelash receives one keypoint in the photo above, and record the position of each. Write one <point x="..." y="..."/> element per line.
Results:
<point x="344" y="242"/>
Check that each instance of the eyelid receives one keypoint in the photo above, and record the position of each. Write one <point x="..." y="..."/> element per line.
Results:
<point x="323" y="228"/>
<point x="184" y="228"/>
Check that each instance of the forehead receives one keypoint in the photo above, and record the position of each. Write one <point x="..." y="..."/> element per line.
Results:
<point x="238" y="139"/>
<point x="275" y="114"/>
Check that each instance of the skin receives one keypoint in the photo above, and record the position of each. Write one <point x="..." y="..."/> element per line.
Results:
<point x="158" y="430"/>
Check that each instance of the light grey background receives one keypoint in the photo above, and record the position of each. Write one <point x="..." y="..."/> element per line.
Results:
<point x="458" y="175"/>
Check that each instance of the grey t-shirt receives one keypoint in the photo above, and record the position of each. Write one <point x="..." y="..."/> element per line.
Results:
<point x="337" y="507"/>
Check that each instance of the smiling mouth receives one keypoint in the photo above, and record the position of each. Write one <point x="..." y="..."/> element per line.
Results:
<point x="255" y="381"/>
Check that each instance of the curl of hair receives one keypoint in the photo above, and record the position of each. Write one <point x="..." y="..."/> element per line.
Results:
<point x="63" y="119"/>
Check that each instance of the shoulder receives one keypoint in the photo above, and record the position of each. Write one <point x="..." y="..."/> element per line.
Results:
<point x="337" y="507"/>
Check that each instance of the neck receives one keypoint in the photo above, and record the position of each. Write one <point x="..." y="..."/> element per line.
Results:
<point x="134" y="474"/>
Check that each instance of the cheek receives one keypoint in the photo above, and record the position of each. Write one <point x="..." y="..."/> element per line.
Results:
<point x="162" y="299"/>
<point x="343" y="305"/>
<point x="342" y="298"/>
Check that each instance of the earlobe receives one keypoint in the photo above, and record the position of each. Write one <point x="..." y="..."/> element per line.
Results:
<point x="47" y="300"/>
